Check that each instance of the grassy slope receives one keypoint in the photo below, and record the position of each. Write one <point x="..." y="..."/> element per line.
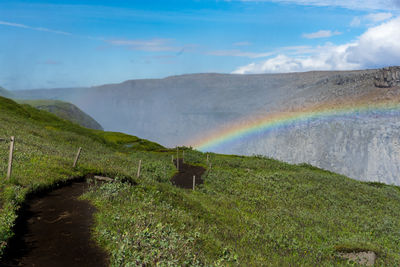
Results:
<point x="66" y="111"/>
<point x="44" y="151"/>
<point x="250" y="211"/>
<point x="5" y="93"/>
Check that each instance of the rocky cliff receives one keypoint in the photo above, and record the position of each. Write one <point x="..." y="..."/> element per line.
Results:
<point x="387" y="77"/>
<point x="363" y="147"/>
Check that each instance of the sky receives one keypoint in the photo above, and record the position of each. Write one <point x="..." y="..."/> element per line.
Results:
<point x="58" y="43"/>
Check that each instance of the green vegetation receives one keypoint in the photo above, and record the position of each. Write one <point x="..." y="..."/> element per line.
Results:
<point x="64" y="110"/>
<point x="129" y="141"/>
<point x="251" y="211"/>
<point x="5" y="93"/>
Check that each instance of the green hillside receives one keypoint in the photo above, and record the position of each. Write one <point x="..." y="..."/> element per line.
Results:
<point x="5" y="93"/>
<point x="251" y="211"/>
<point x="65" y="111"/>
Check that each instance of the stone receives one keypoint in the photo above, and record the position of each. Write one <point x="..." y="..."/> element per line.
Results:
<point x="366" y="258"/>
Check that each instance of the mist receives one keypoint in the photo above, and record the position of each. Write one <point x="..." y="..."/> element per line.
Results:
<point x="179" y="109"/>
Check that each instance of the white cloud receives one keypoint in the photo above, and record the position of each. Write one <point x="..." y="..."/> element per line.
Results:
<point x="349" y="4"/>
<point x="378" y="46"/>
<point x="238" y="53"/>
<point x="378" y="17"/>
<point x="355" y="22"/>
<point x="328" y="57"/>
<point x="321" y="34"/>
<point x="154" y="45"/>
<point x="41" y="29"/>
<point x="242" y="44"/>
<point x="371" y="19"/>
<point x="291" y="50"/>
<point x="13" y="24"/>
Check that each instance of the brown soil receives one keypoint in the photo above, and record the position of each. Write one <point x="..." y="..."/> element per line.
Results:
<point x="54" y="229"/>
<point x="184" y="178"/>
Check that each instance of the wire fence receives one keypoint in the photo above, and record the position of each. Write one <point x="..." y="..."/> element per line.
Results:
<point x="7" y="151"/>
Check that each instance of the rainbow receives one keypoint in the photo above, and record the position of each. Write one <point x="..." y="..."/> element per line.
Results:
<point x="246" y="128"/>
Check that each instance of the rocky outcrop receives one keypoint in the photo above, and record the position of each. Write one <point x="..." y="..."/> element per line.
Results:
<point x="387" y="77"/>
<point x="345" y="79"/>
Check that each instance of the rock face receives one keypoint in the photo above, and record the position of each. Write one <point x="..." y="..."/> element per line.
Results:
<point x="387" y="77"/>
<point x="176" y="110"/>
<point x="363" y="147"/>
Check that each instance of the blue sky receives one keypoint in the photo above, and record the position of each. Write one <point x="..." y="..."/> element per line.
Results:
<point x="49" y="43"/>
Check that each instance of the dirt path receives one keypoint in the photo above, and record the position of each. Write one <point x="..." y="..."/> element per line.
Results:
<point x="54" y="229"/>
<point x="184" y="178"/>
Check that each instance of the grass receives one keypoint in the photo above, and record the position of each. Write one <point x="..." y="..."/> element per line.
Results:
<point x="44" y="152"/>
<point x="251" y="211"/>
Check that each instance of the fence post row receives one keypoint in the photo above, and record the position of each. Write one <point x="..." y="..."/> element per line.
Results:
<point x="77" y="157"/>
<point x="194" y="181"/>
<point x="10" y="159"/>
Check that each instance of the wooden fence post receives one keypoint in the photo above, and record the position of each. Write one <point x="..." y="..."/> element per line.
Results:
<point x="77" y="157"/>
<point x="207" y="158"/>
<point x="194" y="181"/>
<point x="138" y="171"/>
<point x="183" y="156"/>
<point x="10" y="159"/>
<point x="172" y="158"/>
<point x="177" y="158"/>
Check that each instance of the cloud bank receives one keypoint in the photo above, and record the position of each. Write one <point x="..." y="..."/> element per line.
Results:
<point x="378" y="46"/>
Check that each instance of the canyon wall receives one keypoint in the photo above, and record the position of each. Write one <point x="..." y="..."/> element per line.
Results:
<point x="177" y="110"/>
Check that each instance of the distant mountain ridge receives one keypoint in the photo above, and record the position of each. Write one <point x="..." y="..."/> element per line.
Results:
<point x="5" y="93"/>
<point x="175" y="110"/>
<point x="64" y="110"/>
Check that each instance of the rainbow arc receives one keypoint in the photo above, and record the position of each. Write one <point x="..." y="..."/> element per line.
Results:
<point x="281" y="120"/>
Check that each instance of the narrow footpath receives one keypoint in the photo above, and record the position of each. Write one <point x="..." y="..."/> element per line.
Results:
<point x="184" y="178"/>
<point x="54" y="229"/>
